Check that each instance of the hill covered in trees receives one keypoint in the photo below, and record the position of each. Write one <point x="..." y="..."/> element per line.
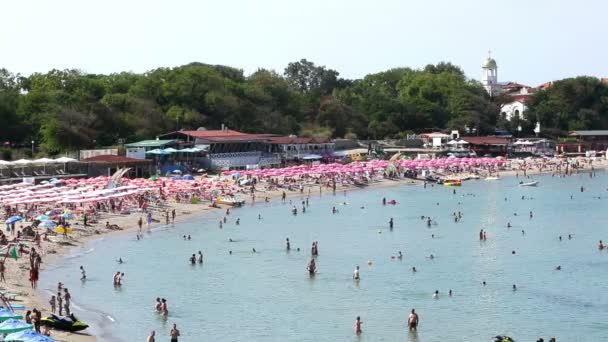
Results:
<point x="68" y="109"/>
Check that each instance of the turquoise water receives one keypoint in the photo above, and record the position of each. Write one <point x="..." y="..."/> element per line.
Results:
<point x="268" y="296"/>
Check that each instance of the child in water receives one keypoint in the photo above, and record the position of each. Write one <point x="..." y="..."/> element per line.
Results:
<point x="358" y="323"/>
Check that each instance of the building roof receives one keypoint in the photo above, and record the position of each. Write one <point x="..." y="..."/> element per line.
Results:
<point x="296" y="140"/>
<point x="489" y="63"/>
<point x="588" y="133"/>
<point x="218" y="136"/>
<point x="112" y="159"/>
<point x="486" y="140"/>
<point x="151" y="143"/>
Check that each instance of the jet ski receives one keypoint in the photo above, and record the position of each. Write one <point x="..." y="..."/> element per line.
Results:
<point x="67" y="323"/>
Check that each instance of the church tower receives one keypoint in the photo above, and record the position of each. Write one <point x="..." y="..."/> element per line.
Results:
<point x="489" y="80"/>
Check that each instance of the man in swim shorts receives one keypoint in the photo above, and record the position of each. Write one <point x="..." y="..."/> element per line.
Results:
<point x="412" y="320"/>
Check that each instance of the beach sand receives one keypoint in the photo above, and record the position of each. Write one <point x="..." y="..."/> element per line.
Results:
<point x="17" y="271"/>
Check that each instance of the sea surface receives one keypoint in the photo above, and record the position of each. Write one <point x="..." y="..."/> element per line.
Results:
<point x="269" y="296"/>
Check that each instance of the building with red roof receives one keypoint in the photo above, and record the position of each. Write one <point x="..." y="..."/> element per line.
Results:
<point x="230" y="149"/>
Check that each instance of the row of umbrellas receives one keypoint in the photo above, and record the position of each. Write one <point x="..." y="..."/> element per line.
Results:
<point x="171" y="150"/>
<point x="41" y="161"/>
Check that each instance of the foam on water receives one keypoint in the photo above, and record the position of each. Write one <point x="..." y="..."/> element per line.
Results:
<point x="268" y="296"/>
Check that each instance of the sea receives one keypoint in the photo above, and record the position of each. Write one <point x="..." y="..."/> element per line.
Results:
<point x="269" y="296"/>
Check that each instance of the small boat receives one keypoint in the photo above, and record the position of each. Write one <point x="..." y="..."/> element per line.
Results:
<point x="491" y="178"/>
<point x="231" y="201"/>
<point x="66" y="323"/>
<point x="535" y="183"/>
<point x="452" y="182"/>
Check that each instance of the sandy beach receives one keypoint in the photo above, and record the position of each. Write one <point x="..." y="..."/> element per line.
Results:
<point x="17" y="272"/>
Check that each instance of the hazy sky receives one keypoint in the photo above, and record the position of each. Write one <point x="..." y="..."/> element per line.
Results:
<point x="533" y="41"/>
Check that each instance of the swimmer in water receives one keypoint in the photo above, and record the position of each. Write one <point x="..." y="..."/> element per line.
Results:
<point x="200" y="257"/>
<point x="238" y="221"/>
<point x="414" y="269"/>
<point x="358" y="323"/>
<point x="450" y="293"/>
<point x="288" y="245"/>
<point x="356" y="273"/>
<point x="119" y="261"/>
<point x="253" y="250"/>
<point x="514" y="287"/>
<point x="558" y="268"/>
<point x="436" y="294"/>
<point x="390" y="223"/>
<point x="399" y="255"/>
<point x="600" y="245"/>
<point x="431" y="257"/>
<point x="312" y="267"/>
<point x="193" y="259"/>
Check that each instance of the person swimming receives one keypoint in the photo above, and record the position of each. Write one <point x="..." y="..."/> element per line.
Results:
<point x="600" y="245"/>
<point x="436" y="294"/>
<point x="414" y="269"/>
<point x="558" y="268"/>
<point x="119" y="261"/>
<point x="193" y="259"/>
<point x="514" y="287"/>
<point x="390" y="223"/>
<point x="399" y="255"/>
<point x="288" y="245"/>
<point x="200" y="257"/>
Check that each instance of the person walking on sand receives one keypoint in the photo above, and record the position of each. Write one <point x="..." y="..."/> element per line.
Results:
<point x="412" y="320"/>
<point x="174" y="333"/>
<point x="2" y="269"/>
<point x="52" y="302"/>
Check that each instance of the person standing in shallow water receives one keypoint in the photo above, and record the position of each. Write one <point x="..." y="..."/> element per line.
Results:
<point x="358" y="323"/>
<point x="412" y="321"/>
<point x="174" y="333"/>
<point x="287" y="244"/>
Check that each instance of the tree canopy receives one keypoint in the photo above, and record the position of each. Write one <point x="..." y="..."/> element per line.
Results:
<point x="69" y="109"/>
<point x="571" y="104"/>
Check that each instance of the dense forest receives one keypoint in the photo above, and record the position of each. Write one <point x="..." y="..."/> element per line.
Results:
<point x="67" y="109"/>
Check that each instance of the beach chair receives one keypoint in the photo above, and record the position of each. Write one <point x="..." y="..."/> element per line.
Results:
<point x="36" y="173"/>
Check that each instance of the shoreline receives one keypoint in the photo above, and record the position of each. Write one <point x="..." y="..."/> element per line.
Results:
<point x="51" y="253"/>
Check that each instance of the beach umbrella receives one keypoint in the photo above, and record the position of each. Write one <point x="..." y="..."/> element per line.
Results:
<point x="42" y="217"/>
<point x="47" y="224"/>
<point x="67" y="216"/>
<point x="170" y="150"/>
<point x="65" y="160"/>
<point x="27" y="336"/>
<point x="14" y="325"/>
<point x="13" y="219"/>
<point x="5" y="163"/>
<point x="7" y="314"/>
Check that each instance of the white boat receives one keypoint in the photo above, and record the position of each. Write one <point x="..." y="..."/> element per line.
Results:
<point x="535" y="183"/>
<point x="492" y="178"/>
<point x="232" y="201"/>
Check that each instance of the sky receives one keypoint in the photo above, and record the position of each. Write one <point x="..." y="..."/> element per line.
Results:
<point x="533" y="41"/>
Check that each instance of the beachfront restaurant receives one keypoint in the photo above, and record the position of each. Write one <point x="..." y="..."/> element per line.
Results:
<point x="107" y="165"/>
<point x="230" y="150"/>
<point x="579" y="142"/>
<point x="301" y="148"/>
<point x="493" y="146"/>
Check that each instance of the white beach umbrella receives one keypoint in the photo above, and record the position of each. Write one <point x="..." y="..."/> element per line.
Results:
<point x="22" y="162"/>
<point x="44" y="161"/>
<point x="65" y="160"/>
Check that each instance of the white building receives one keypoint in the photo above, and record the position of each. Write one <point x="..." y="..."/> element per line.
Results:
<point x="519" y="92"/>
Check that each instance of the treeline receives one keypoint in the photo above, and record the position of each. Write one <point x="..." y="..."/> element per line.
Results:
<point x="67" y="109"/>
